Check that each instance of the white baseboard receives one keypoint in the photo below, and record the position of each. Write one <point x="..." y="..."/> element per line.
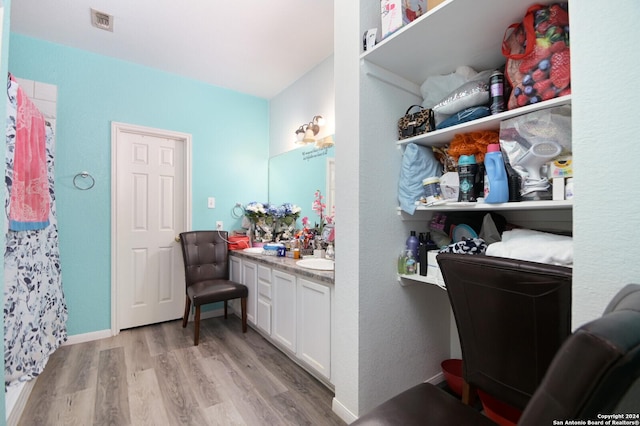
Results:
<point x="87" y="337"/>
<point x="438" y="378"/>
<point x="343" y="412"/>
<point x="16" y="398"/>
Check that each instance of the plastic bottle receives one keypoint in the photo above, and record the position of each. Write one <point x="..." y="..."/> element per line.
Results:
<point x="410" y="263"/>
<point x="402" y="262"/>
<point x="467" y="171"/>
<point x="412" y="244"/>
<point x="496" y="183"/>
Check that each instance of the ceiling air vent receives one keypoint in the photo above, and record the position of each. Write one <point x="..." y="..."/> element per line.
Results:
<point x="101" y="20"/>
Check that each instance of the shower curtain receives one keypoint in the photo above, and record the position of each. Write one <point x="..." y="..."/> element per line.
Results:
<point x="35" y="312"/>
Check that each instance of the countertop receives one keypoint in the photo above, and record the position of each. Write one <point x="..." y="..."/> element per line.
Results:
<point x="287" y="264"/>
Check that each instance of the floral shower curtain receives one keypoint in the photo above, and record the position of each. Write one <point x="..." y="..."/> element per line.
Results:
<point x="35" y="312"/>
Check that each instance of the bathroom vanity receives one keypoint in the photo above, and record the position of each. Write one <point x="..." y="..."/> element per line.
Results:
<point x="290" y="306"/>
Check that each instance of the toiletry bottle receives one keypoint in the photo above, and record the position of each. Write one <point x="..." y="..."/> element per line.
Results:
<point x="496" y="182"/>
<point x="412" y="244"/>
<point x="402" y="262"/>
<point x="410" y="263"/>
<point x="330" y="253"/>
<point x="467" y="171"/>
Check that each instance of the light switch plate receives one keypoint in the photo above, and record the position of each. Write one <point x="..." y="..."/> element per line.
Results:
<point x="211" y="202"/>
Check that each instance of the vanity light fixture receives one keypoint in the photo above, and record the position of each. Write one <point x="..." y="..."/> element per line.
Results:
<point x="300" y="134"/>
<point x="307" y="132"/>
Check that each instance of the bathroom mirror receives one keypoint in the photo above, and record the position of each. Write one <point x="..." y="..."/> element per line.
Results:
<point x="294" y="177"/>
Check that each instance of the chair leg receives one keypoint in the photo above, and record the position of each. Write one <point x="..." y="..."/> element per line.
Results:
<point x="196" y="324"/>
<point x="187" y="308"/>
<point x="243" y="305"/>
<point x="225" y="309"/>
<point x="469" y="393"/>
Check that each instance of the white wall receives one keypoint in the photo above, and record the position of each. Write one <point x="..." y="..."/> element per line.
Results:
<point x="605" y="60"/>
<point x="390" y="337"/>
<point x="313" y="94"/>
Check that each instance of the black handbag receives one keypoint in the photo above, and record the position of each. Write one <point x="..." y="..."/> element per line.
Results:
<point x="416" y="123"/>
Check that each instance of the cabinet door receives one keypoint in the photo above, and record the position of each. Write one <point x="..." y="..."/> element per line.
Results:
<point x="264" y="299"/>
<point x="235" y="272"/>
<point x="284" y="309"/>
<point x="264" y="315"/>
<point x="314" y="325"/>
<point x="250" y="279"/>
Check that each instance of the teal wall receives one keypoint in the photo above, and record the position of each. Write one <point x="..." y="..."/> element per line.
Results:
<point x="295" y="175"/>
<point x="4" y="56"/>
<point x="230" y="153"/>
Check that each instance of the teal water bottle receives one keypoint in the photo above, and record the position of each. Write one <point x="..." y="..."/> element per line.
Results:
<point x="496" y="183"/>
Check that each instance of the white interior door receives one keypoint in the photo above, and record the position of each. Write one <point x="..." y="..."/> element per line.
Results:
<point x="151" y="206"/>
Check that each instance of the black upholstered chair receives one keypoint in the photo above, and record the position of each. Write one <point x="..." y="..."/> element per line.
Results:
<point x="512" y="316"/>
<point x="596" y="371"/>
<point x="206" y="271"/>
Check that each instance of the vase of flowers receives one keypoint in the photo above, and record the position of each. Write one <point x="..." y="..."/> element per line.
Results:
<point x="318" y="235"/>
<point x="256" y="213"/>
<point x="287" y="216"/>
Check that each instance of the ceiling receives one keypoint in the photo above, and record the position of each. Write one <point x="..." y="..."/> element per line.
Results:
<point x="258" y="47"/>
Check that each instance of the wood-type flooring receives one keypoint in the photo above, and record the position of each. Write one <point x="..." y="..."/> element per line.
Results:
<point x="153" y="375"/>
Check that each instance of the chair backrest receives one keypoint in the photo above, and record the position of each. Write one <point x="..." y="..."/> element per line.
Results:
<point x="512" y="316"/>
<point x="205" y="255"/>
<point x="596" y="371"/>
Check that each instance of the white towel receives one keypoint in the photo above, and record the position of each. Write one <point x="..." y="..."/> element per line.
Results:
<point x="535" y="246"/>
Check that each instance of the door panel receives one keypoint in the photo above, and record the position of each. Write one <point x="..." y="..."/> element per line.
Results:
<point x="150" y="210"/>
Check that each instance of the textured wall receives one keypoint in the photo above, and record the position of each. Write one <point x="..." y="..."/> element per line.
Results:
<point x="604" y="60"/>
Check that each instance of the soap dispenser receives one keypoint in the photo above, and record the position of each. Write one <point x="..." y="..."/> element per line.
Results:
<point x="330" y="253"/>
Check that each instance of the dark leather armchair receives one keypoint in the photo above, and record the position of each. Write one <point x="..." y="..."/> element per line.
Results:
<point x="595" y="371"/>
<point x="206" y="270"/>
<point x="512" y="316"/>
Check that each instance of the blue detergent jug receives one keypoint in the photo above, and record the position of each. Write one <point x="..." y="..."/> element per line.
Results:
<point x="496" y="183"/>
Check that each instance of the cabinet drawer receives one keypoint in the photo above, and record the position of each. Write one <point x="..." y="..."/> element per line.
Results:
<point x="264" y="273"/>
<point x="264" y="289"/>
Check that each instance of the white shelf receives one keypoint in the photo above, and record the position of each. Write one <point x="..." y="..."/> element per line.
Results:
<point x="522" y="205"/>
<point x="492" y="122"/>
<point x="417" y="278"/>
<point x="457" y="32"/>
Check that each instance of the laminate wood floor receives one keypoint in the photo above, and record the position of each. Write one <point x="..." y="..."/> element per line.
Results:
<point x="154" y="375"/>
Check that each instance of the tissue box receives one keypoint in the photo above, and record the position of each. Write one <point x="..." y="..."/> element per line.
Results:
<point x="433" y="269"/>
<point x="396" y="13"/>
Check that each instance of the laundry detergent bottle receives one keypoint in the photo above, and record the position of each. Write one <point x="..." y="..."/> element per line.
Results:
<point x="496" y="183"/>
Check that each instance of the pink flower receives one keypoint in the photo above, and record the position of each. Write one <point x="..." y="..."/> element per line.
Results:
<point x="305" y="221"/>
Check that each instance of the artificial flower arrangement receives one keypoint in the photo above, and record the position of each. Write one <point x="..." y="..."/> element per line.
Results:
<point x="322" y="232"/>
<point x="270" y="222"/>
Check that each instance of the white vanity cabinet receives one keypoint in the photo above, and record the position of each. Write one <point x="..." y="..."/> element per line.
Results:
<point x="235" y="273"/>
<point x="293" y="309"/>
<point x="284" y="309"/>
<point x="314" y="325"/>
<point x="250" y="279"/>
<point x="264" y="304"/>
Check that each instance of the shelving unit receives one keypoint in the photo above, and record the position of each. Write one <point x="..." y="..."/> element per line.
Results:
<point x="522" y="205"/>
<point x="419" y="279"/>
<point x="456" y="33"/>
<point x="492" y="122"/>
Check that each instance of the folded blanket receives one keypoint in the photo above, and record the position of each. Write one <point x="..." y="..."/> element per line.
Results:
<point x="29" y="205"/>
<point x="534" y="246"/>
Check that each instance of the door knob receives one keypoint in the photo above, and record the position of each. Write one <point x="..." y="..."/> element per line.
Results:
<point x="177" y="238"/>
